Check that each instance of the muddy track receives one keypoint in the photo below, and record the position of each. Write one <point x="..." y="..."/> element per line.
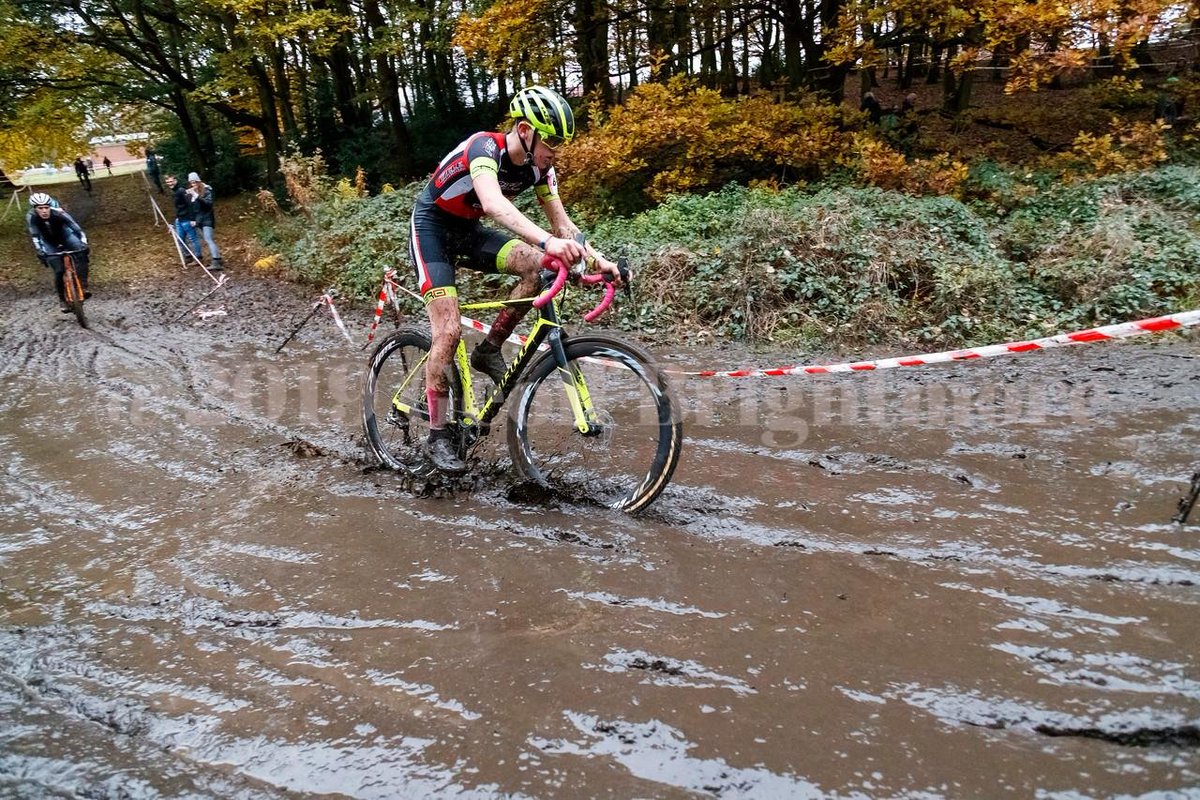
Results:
<point x="954" y="581"/>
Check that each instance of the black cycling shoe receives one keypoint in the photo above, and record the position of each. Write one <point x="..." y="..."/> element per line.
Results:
<point x="66" y="309"/>
<point x="441" y="453"/>
<point x="486" y="358"/>
<point x="87" y="295"/>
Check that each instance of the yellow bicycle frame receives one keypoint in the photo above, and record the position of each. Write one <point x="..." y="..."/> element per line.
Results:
<point x="545" y="326"/>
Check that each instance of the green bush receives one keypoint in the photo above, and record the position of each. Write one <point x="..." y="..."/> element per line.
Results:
<point x="1113" y="248"/>
<point x="846" y="264"/>
<point x="346" y="241"/>
<point x="843" y="264"/>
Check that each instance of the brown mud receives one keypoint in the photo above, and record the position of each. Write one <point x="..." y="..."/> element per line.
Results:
<point x="953" y="581"/>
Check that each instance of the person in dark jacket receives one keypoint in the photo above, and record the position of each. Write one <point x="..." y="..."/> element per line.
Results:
<point x="81" y="172"/>
<point x="200" y="194"/>
<point x="153" y="169"/>
<point x="54" y="232"/>
<point x="185" y="220"/>
<point x="873" y="108"/>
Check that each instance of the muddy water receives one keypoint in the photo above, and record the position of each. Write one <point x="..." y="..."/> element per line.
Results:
<point x="957" y="581"/>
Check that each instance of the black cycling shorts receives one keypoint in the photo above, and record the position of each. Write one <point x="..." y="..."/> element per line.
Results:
<point x="439" y="242"/>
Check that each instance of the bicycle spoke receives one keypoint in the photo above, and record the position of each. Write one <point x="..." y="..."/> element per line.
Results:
<point x="630" y="449"/>
<point x="395" y="413"/>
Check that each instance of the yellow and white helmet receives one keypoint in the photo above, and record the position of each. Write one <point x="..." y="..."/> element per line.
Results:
<point x="547" y="111"/>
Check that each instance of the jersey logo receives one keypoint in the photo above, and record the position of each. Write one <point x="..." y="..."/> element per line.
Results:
<point x="512" y="188"/>
<point x="456" y="167"/>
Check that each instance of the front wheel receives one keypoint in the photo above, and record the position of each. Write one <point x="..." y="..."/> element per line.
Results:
<point x="395" y="412"/>
<point x="74" y="293"/>
<point x="634" y="431"/>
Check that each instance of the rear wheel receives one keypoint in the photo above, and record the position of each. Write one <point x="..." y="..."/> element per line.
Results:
<point x="626" y="457"/>
<point x="395" y="412"/>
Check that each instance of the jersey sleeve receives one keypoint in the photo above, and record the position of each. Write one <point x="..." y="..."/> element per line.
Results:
<point x="546" y="187"/>
<point x="483" y="155"/>
<point x="34" y="233"/>
<point x="71" y="223"/>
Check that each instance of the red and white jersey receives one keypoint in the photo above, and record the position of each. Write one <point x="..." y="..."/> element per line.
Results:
<point x="452" y="187"/>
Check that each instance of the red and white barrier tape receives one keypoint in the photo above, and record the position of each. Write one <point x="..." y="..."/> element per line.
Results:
<point x="1122" y="330"/>
<point x="327" y="300"/>
<point x="387" y="294"/>
<point x="208" y="313"/>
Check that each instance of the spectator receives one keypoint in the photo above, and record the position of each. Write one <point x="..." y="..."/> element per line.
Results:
<point x="81" y="172"/>
<point x="185" y="219"/>
<point x="1168" y="107"/>
<point x="108" y="165"/>
<point x="908" y="121"/>
<point x="152" y="168"/>
<point x="870" y="105"/>
<point x="200" y="196"/>
<point x="91" y="165"/>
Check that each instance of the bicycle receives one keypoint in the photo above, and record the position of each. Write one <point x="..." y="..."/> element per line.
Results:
<point x="615" y="429"/>
<point x="73" y="293"/>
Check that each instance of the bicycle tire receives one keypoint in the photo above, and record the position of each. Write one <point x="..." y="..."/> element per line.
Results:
<point x="628" y="463"/>
<point x="74" y="293"/>
<point x="397" y="438"/>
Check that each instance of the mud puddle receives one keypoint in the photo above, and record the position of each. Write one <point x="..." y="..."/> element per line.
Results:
<point x="958" y="581"/>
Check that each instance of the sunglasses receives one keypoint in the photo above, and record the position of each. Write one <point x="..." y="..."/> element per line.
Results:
<point x="553" y="142"/>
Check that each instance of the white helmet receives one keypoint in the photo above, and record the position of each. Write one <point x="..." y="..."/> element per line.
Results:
<point x="40" y="199"/>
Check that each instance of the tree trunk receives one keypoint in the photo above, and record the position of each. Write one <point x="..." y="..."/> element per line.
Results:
<point x="341" y="77"/>
<point x="400" y="157"/>
<point x="832" y="80"/>
<point x="283" y="89"/>
<point x="681" y="23"/>
<point x="910" y="64"/>
<point x="631" y="59"/>
<point x="957" y="96"/>
<point x="792" y="23"/>
<point x="745" y="51"/>
<point x="659" y="37"/>
<point x="591" y="46"/>
<point x="728" y="69"/>
<point x="186" y="122"/>
<point x="708" y="53"/>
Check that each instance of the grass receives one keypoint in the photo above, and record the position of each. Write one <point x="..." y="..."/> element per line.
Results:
<point x="36" y="177"/>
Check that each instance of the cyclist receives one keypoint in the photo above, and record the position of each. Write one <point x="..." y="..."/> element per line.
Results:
<point x="81" y="172"/>
<point x="54" y="231"/>
<point x="477" y="179"/>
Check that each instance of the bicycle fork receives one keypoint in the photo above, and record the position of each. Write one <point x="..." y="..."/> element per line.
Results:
<point x="587" y="422"/>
